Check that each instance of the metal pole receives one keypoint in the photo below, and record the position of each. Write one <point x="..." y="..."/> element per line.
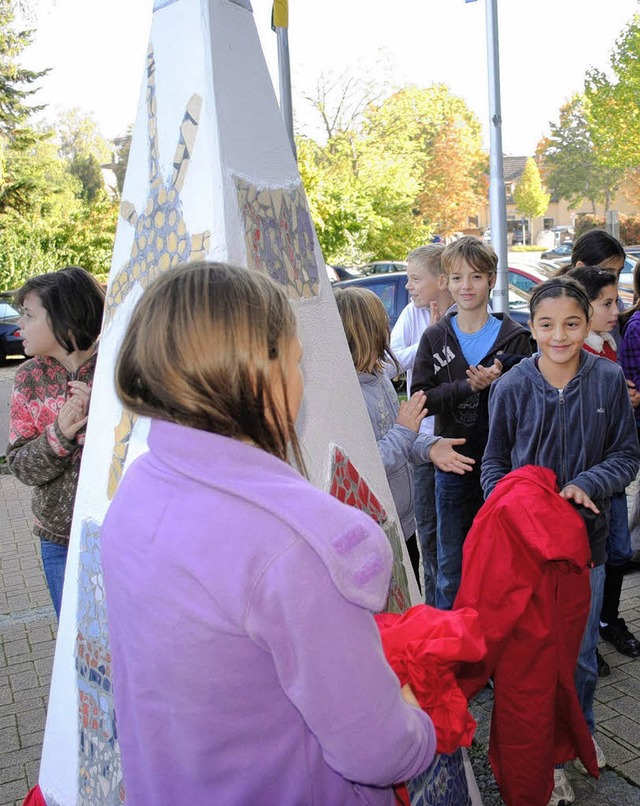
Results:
<point x="284" y="78"/>
<point x="497" y="200"/>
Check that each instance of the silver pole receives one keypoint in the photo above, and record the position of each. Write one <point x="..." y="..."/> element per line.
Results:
<point x="284" y="78"/>
<point x="497" y="199"/>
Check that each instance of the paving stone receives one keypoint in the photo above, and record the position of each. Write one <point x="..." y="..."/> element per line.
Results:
<point x="615" y="753"/>
<point x="12" y="790"/>
<point x="603" y="712"/>
<point x="9" y="740"/>
<point x="23" y="680"/>
<point x="624" y="728"/>
<point x="631" y="770"/>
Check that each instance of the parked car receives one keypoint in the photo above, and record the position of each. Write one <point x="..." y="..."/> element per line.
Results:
<point x="525" y="277"/>
<point x="10" y="336"/>
<point x="486" y="237"/>
<point x="563" y="250"/>
<point x="347" y="272"/>
<point x="391" y="288"/>
<point x="383" y="266"/>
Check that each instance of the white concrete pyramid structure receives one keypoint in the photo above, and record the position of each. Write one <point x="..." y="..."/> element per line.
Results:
<point x="211" y="175"/>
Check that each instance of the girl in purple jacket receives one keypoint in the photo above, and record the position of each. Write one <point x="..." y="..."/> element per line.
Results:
<point x="247" y="664"/>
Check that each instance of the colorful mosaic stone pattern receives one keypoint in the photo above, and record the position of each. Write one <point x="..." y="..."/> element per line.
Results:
<point x="100" y="772"/>
<point x="349" y="486"/>
<point x="162" y="238"/>
<point x="279" y="235"/>
<point x="443" y="784"/>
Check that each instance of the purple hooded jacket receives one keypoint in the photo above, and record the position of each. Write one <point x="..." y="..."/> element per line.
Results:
<point x="247" y="664"/>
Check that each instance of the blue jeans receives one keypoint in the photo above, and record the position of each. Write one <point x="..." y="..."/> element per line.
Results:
<point x="586" y="675"/>
<point x="54" y="560"/>
<point x="619" y="540"/>
<point x="458" y="499"/>
<point x="426" y="521"/>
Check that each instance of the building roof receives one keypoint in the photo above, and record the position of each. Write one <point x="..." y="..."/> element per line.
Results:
<point x="513" y="167"/>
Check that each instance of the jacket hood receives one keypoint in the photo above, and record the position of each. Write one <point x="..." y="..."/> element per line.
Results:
<point x="355" y="551"/>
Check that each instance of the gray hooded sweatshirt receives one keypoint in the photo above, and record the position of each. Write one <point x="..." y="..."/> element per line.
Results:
<point x="399" y="446"/>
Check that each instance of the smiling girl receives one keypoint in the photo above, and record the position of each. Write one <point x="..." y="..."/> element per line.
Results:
<point x="567" y="410"/>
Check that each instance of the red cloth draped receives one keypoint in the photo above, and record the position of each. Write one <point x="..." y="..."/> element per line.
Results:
<point x="423" y="647"/>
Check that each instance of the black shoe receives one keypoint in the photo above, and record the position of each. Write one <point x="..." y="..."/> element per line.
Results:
<point x="618" y="634"/>
<point x="604" y="670"/>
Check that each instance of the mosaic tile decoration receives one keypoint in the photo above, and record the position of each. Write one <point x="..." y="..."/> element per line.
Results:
<point x="100" y="773"/>
<point x="162" y="238"/>
<point x="442" y="784"/>
<point x="279" y="235"/>
<point x="347" y="485"/>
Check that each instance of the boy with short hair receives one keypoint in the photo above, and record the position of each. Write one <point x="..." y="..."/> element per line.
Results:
<point x="457" y="360"/>
<point x="429" y="300"/>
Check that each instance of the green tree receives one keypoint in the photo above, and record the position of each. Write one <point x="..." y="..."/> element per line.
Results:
<point x="530" y="197"/>
<point x="613" y="102"/>
<point x="571" y="166"/>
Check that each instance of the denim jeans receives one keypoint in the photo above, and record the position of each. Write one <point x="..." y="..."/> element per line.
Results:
<point x="458" y="499"/>
<point x="619" y="540"/>
<point x="54" y="560"/>
<point x="426" y="521"/>
<point x="586" y="675"/>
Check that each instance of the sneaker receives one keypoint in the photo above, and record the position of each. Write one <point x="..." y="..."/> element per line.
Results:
<point x="622" y="638"/>
<point x="600" y="758"/>
<point x="604" y="670"/>
<point x="562" y="791"/>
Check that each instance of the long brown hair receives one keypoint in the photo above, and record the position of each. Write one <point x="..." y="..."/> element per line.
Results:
<point x="206" y="347"/>
<point x="366" y="326"/>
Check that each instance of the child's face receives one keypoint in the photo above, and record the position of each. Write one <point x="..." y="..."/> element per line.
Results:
<point x="469" y="287"/>
<point x="605" y="310"/>
<point x="422" y="286"/>
<point x="560" y="327"/>
<point x="36" y="331"/>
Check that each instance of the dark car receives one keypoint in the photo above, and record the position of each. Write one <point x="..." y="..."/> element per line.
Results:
<point x="391" y="288"/>
<point x="564" y="250"/>
<point x="10" y="337"/>
<point x="347" y="272"/>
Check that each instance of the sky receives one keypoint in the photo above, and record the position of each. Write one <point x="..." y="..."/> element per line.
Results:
<point x="96" y="51"/>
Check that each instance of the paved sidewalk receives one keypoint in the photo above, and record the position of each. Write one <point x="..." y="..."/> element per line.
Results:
<point x="27" y="637"/>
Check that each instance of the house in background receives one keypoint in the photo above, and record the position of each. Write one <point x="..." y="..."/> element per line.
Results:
<point x="556" y="217"/>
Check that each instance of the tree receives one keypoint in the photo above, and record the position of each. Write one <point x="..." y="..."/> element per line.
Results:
<point x="612" y="102"/>
<point x="571" y="165"/>
<point x="529" y="196"/>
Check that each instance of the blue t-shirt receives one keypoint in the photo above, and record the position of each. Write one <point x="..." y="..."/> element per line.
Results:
<point x="475" y="346"/>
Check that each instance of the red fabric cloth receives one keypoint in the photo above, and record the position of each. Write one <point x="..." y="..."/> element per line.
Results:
<point x="35" y="797"/>
<point x="423" y="646"/>
<point x="525" y="572"/>
<point x="607" y="351"/>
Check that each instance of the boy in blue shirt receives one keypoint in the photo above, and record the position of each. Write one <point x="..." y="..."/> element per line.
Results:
<point x="457" y="361"/>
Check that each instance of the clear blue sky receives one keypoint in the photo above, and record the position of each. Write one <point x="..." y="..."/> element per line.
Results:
<point x="97" y="52"/>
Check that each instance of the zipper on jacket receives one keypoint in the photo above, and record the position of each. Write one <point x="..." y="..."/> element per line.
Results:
<point x="563" y="445"/>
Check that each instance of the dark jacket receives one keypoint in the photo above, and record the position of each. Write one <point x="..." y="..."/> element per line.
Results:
<point x="441" y="372"/>
<point x="586" y="434"/>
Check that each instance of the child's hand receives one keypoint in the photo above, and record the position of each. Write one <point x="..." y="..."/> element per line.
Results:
<point x="412" y="412"/>
<point x="480" y="377"/>
<point x="73" y="415"/>
<point x="445" y="458"/>
<point x="573" y="493"/>
<point x="634" y="395"/>
<point x="434" y="312"/>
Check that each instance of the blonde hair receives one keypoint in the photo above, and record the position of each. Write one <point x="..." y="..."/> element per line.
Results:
<point x="206" y="347"/>
<point x="366" y="326"/>
<point x="472" y="251"/>
<point x="428" y="257"/>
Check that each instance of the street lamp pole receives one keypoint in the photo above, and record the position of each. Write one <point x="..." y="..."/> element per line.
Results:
<point x="497" y="199"/>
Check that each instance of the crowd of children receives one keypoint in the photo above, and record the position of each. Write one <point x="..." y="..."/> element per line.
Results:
<point x="486" y="396"/>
